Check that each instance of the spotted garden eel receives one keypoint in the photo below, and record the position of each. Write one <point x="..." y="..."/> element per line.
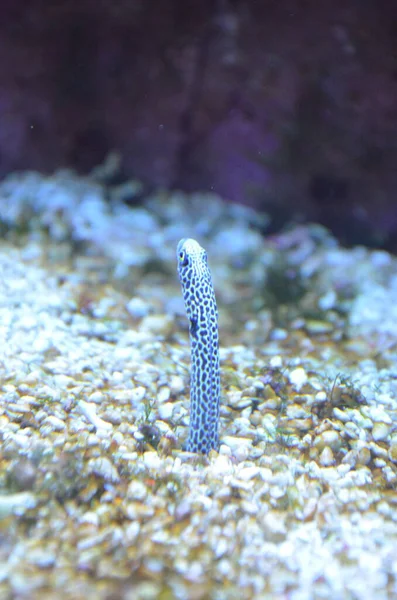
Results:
<point x="200" y="303"/>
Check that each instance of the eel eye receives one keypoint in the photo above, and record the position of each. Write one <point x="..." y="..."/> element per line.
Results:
<point x="183" y="258"/>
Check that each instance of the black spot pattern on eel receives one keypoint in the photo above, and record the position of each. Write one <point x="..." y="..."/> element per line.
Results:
<point x="202" y="312"/>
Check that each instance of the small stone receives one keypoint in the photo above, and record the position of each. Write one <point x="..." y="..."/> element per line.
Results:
<point x="340" y="414"/>
<point x="393" y="450"/>
<point x="136" y="491"/>
<point x="16" y="503"/>
<point x="376" y="413"/>
<point x="384" y="509"/>
<point x="320" y="397"/>
<point x="352" y="430"/>
<point x="163" y="428"/>
<point x="176" y="385"/>
<point x="137" y="308"/>
<point x="298" y="378"/>
<point x="102" y="467"/>
<point x="91" y="518"/>
<point x="139" y="511"/>
<point x="157" y="325"/>
<point x="165" y="410"/>
<point x="327" y="301"/>
<point x="96" y="397"/>
<point x="328" y="438"/>
<point x="167" y="444"/>
<point x="236" y="443"/>
<point x="249" y="473"/>
<point x="27" y="399"/>
<point x="137" y="395"/>
<point x="17" y="409"/>
<point x="112" y="416"/>
<point x="378" y="451"/>
<point x="242" y="453"/>
<point x="327" y="458"/>
<point x="350" y="458"/>
<point x="233" y="397"/>
<point x="276" y="362"/>
<point x="132" y="531"/>
<point x="8" y="388"/>
<point x="55" y="423"/>
<point x="164" y="394"/>
<point x="309" y="509"/>
<point x="363" y="456"/>
<point x="123" y="396"/>
<point x="390" y="475"/>
<point x="23" y="474"/>
<point x="243" y="402"/>
<point x="279" y="334"/>
<point x="152" y="460"/>
<point x="44" y="559"/>
<point x="118" y="438"/>
<point x="117" y="377"/>
<point x="221" y="465"/>
<point x="88" y="409"/>
<point x="298" y="425"/>
<point x="380" y="431"/>
<point x="315" y="327"/>
<point x="296" y="411"/>
<point x="225" y="450"/>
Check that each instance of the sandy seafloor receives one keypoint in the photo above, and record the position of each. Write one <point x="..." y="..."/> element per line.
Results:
<point x="97" y="498"/>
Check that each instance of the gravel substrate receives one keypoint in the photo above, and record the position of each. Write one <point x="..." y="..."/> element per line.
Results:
<point x="97" y="498"/>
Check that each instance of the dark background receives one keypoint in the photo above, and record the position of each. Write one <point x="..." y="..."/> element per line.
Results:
<point x="288" y="106"/>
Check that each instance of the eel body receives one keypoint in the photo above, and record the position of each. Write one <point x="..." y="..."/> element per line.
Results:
<point x="201" y="309"/>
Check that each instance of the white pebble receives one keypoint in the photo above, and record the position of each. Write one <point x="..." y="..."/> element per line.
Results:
<point x="276" y="362"/>
<point x="380" y="431"/>
<point x="137" y="394"/>
<point x="55" y="423"/>
<point x="298" y="378"/>
<point x="136" y="491"/>
<point x="91" y="518"/>
<point x="152" y="460"/>
<point x="248" y="473"/>
<point x="137" y="308"/>
<point x="225" y="450"/>
<point x="377" y="413"/>
<point x="242" y="453"/>
<point x="163" y="394"/>
<point x="165" y="410"/>
<point x="117" y="377"/>
<point x="328" y="438"/>
<point x="341" y="415"/>
<point x="176" y="384"/>
<point x="103" y="468"/>
<point x="89" y="411"/>
<point x="16" y="503"/>
<point x="96" y="397"/>
<point x="327" y="457"/>
<point x="221" y="465"/>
